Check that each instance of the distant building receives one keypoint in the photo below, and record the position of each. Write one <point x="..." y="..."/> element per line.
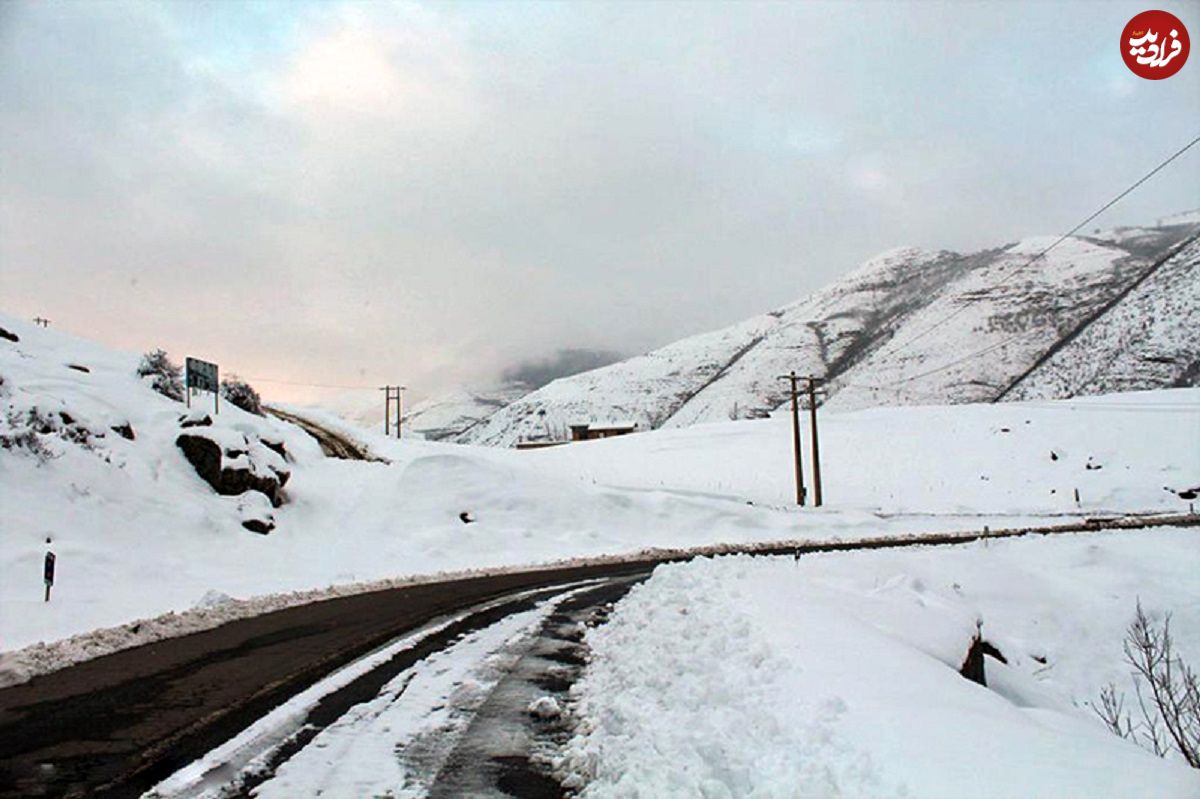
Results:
<point x="540" y="444"/>
<point x="591" y="432"/>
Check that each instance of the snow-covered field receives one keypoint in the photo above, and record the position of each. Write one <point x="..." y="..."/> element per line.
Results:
<point x="1118" y="451"/>
<point x="838" y="675"/>
<point x="137" y="533"/>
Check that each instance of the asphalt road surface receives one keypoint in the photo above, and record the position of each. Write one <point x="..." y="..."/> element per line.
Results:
<point x="117" y="725"/>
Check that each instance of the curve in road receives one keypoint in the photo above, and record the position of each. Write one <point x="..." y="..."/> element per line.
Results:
<point x="117" y="725"/>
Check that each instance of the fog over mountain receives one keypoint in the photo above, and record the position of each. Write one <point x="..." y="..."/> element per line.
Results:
<point x="537" y="372"/>
<point x="1115" y="310"/>
<point x="450" y="414"/>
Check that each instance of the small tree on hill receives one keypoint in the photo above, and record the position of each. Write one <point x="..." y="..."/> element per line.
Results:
<point x="1167" y="691"/>
<point x="165" y="377"/>
<point x="240" y="393"/>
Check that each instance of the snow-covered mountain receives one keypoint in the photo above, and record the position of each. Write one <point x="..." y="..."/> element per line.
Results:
<point x="449" y="415"/>
<point x="1115" y="310"/>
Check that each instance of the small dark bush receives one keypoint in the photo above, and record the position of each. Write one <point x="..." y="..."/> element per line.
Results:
<point x="166" y="377"/>
<point x="242" y="394"/>
<point x="1167" y="691"/>
<point x="19" y="433"/>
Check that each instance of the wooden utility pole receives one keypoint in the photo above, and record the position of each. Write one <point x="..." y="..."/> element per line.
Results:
<point x="400" y="410"/>
<point x="800" y="491"/>
<point x="816" y="452"/>
<point x="387" y="410"/>
<point x="392" y="393"/>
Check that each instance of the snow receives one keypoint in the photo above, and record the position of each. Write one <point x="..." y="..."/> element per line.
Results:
<point x="838" y="675"/>
<point x="1145" y="337"/>
<point x="141" y="539"/>
<point x="354" y="756"/>
<point x="545" y="707"/>
<point x="360" y="754"/>
<point x="723" y="677"/>
<point x="995" y="312"/>
<point x="454" y="412"/>
<point x="969" y="459"/>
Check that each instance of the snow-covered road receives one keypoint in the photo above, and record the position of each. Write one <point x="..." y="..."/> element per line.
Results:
<point x="441" y="712"/>
<point x="119" y="725"/>
<point x="477" y="694"/>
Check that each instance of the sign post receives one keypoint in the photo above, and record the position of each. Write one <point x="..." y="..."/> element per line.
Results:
<point x="48" y="572"/>
<point x="202" y="375"/>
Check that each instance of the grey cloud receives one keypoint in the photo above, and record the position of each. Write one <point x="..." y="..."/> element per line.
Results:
<point x="538" y="372"/>
<point x="524" y="177"/>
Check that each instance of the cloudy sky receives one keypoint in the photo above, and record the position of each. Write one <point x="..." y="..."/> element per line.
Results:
<point x="346" y="193"/>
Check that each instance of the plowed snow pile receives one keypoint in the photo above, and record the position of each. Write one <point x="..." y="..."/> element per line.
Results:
<point x="839" y="675"/>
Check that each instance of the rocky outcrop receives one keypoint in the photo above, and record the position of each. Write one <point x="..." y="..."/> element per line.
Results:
<point x="233" y="469"/>
<point x="255" y="510"/>
<point x="194" y="419"/>
<point x="973" y="664"/>
<point x="125" y="431"/>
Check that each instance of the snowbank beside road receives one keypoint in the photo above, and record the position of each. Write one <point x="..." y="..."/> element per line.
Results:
<point x="838" y="675"/>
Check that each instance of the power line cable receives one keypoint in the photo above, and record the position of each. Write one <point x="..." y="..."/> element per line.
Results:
<point x="310" y="385"/>
<point x="1060" y="239"/>
<point x="984" y="351"/>
<point x="1004" y="280"/>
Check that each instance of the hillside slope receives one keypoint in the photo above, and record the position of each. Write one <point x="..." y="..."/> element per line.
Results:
<point x="910" y="327"/>
<point x="89" y="457"/>
<point x="451" y="414"/>
<point x="1147" y="338"/>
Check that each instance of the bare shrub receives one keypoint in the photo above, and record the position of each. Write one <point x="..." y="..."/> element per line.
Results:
<point x="165" y="377"/>
<point x="1167" y="691"/>
<point x="240" y="393"/>
<point x="19" y="432"/>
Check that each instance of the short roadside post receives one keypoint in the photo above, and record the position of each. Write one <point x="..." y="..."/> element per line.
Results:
<point x="48" y="571"/>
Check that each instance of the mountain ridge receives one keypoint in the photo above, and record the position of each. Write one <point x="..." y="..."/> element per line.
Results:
<point x="868" y="333"/>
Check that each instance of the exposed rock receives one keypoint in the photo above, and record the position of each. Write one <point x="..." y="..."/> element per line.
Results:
<point x="260" y="526"/>
<point x="13" y="337"/>
<point x="194" y="420"/>
<point x="255" y="510"/>
<point x="79" y="368"/>
<point x="1086" y="319"/>
<point x="124" y="431"/>
<point x="973" y="666"/>
<point x="231" y="479"/>
<point x="205" y="456"/>
<point x="277" y="447"/>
